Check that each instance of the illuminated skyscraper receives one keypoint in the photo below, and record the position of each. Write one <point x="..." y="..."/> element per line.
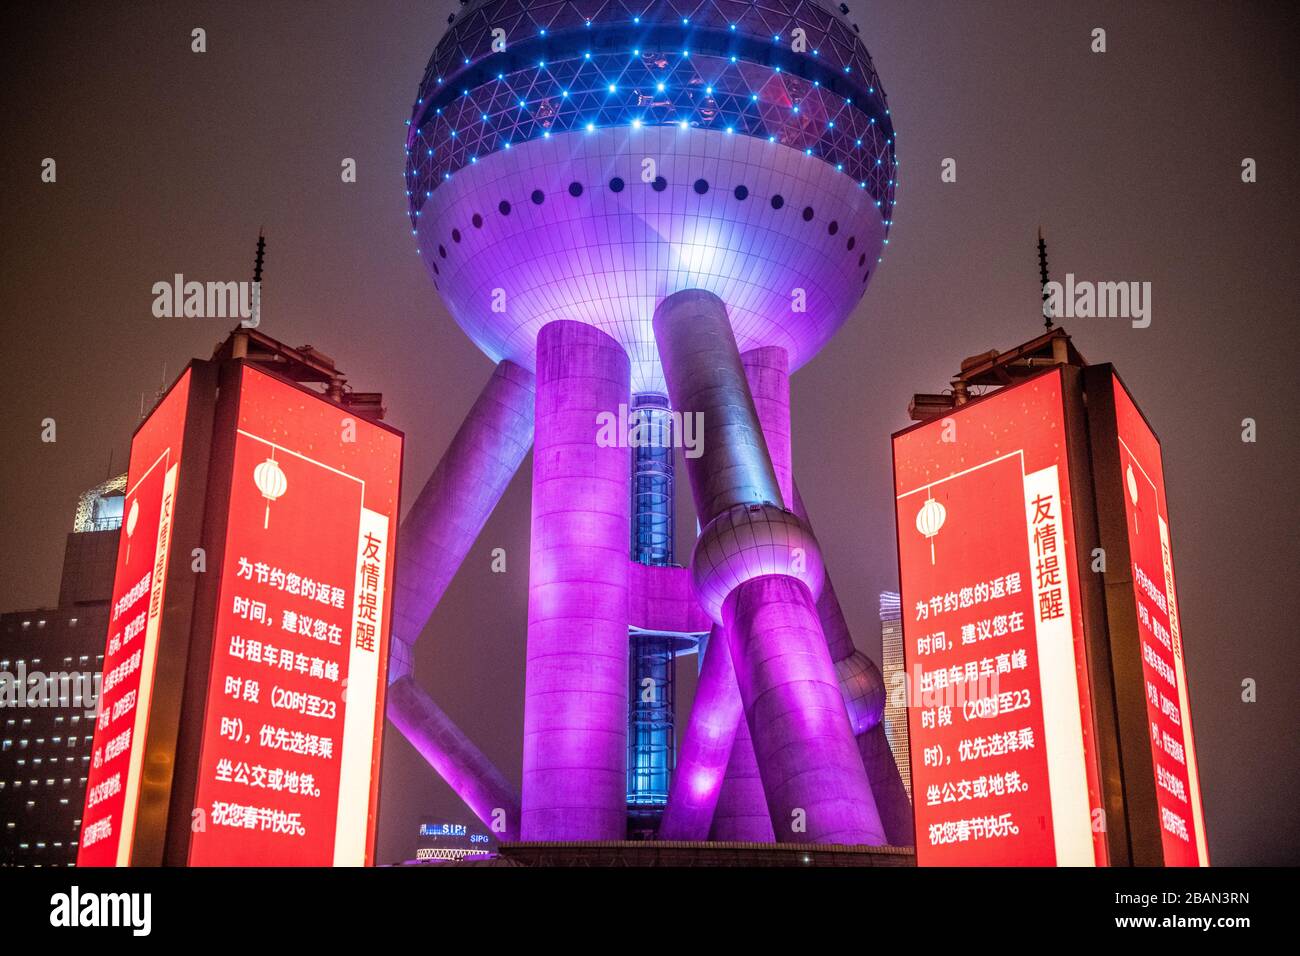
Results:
<point x="50" y="660"/>
<point x="649" y="214"/>
<point x="891" y="664"/>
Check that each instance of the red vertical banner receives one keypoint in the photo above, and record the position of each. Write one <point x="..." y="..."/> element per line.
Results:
<point x="289" y="761"/>
<point x="999" y="711"/>
<point x="139" y="591"/>
<point x="1173" y="752"/>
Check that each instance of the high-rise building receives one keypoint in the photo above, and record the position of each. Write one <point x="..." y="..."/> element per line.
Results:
<point x="649" y="216"/>
<point x="895" y="674"/>
<point x="50" y="663"/>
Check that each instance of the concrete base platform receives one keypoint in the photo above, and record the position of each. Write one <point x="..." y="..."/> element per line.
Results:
<point x="672" y="853"/>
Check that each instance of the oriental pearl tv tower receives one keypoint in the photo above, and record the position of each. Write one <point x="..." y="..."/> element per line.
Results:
<point x="649" y="213"/>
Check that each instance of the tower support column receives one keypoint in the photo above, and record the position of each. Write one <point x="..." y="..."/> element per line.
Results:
<point x="575" y="698"/>
<point x="758" y="571"/>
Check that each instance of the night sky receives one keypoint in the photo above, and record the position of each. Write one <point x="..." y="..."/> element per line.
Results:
<point x="169" y="161"/>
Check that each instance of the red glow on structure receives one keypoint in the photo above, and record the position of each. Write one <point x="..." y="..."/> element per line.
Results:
<point x="999" y="713"/>
<point x="1173" y="753"/>
<point x="135" y="615"/>
<point x="289" y="764"/>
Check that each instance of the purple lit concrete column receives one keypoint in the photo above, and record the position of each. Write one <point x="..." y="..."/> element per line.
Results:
<point x="575" y="698"/>
<point x="757" y="570"/>
<point x="817" y="790"/>
<point x="863" y="689"/>
<point x="470" y="774"/>
<point x="742" y="815"/>
<point x="706" y="746"/>
<point x="887" y="786"/>
<point x="767" y="370"/>
<point x="455" y="503"/>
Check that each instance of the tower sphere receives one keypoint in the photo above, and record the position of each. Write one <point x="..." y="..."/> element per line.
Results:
<point x="584" y="159"/>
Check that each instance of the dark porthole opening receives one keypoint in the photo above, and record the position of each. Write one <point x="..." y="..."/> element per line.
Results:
<point x="778" y="201"/>
<point x="865" y="276"/>
<point x="742" y="192"/>
<point x="538" y="197"/>
<point x="833" y="228"/>
<point x="575" y="189"/>
<point x="477" y="220"/>
<point x="853" y="241"/>
<point x="455" y="235"/>
<point x="701" y="186"/>
<point x="807" y="213"/>
<point x="616" y="185"/>
<point x="442" y="251"/>
<point x="504" y="208"/>
<point x="659" y="185"/>
<point x="862" y="259"/>
<point x="436" y="270"/>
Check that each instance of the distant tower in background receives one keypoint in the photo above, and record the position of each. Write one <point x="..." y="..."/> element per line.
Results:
<point x="891" y="663"/>
<point x="57" y="652"/>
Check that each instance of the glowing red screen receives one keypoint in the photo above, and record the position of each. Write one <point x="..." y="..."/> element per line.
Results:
<point x="289" y="765"/>
<point x="999" y="718"/>
<point x="113" y="781"/>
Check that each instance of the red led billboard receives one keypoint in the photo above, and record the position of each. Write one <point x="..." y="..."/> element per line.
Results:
<point x="108" y="816"/>
<point x="1173" y="753"/>
<point x="999" y="711"/>
<point x="288" y="767"/>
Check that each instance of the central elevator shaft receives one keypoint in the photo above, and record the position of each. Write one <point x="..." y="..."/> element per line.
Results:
<point x="651" y="742"/>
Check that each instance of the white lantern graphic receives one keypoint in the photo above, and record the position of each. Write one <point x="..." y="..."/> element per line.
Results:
<point x="929" y="520"/>
<point x="1131" y="480"/>
<point x="271" y="482"/>
<point x="132" y="517"/>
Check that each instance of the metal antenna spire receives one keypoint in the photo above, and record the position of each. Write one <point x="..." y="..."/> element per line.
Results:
<point x="261" y="254"/>
<point x="1043" y="278"/>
